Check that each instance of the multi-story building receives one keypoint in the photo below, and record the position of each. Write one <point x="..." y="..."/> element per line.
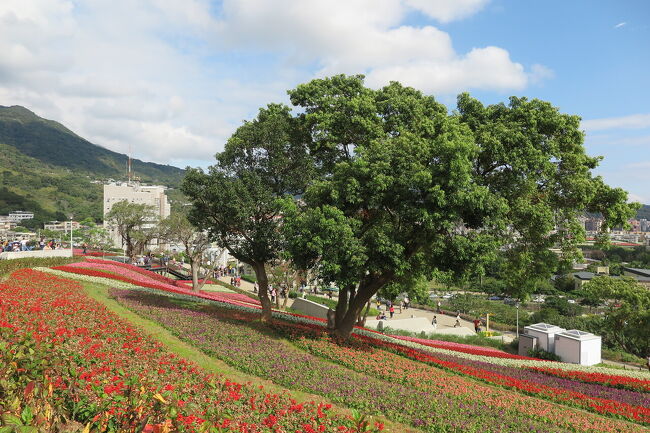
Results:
<point x="593" y="224"/>
<point x="62" y="226"/>
<point x="134" y="192"/>
<point x="20" y="215"/>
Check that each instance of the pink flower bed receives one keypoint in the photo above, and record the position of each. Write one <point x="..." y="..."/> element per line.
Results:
<point x="460" y="347"/>
<point x="137" y="269"/>
<point x="121" y="273"/>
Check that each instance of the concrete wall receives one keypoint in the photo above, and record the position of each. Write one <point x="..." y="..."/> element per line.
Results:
<point x="35" y="254"/>
<point x="310" y="308"/>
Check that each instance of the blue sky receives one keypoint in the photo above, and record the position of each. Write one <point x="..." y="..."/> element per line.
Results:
<point x="172" y="79"/>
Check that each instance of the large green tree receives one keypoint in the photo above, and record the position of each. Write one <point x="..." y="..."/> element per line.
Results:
<point x="239" y="200"/>
<point x="410" y="189"/>
<point x="626" y="323"/>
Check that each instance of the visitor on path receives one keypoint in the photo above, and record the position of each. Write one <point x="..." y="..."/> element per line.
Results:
<point x="378" y="304"/>
<point x="85" y="247"/>
<point x="439" y="311"/>
<point x="457" y="324"/>
<point x="392" y="311"/>
<point x="477" y="325"/>
<point x="434" y="322"/>
<point x="407" y="302"/>
<point x="381" y="316"/>
<point x="401" y="305"/>
<point x="255" y="287"/>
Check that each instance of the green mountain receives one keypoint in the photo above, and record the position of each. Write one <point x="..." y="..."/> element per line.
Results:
<point x="643" y="212"/>
<point x="48" y="169"/>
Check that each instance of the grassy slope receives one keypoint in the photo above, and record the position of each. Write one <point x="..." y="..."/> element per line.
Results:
<point x="211" y="364"/>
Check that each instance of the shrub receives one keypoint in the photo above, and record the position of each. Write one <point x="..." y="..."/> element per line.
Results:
<point x="543" y="354"/>
<point x="9" y="266"/>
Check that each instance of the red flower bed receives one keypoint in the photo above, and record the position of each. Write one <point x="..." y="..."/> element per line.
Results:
<point x="637" y="413"/>
<point x="137" y="269"/>
<point x="465" y="348"/>
<point x="96" y="370"/>
<point x="232" y="298"/>
<point x="604" y="379"/>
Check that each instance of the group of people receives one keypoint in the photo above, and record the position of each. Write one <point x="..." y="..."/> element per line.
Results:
<point x="24" y="245"/>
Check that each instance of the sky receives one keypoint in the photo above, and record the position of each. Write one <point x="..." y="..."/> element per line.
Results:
<point x="171" y="80"/>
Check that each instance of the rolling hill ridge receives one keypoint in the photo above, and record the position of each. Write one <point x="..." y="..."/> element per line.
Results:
<point x="48" y="169"/>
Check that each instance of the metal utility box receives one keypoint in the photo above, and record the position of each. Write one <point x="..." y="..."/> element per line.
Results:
<point x="545" y="334"/>
<point x="578" y="347"/>
<point x="526" y="343"/>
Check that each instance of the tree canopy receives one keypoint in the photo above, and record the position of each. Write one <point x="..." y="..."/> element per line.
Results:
<point x="370" y="188"/>
<point x="240" y="199"/>
<point x="410" y="189"/>
<point x="627" y="319"/>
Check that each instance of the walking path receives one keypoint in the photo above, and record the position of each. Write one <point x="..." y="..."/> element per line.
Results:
<point x="401" y="320"/>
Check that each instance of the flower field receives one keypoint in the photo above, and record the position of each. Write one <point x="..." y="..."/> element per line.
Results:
<point x="366" y="375"/>
<point x="433" y="386"/>
<point x="139" y="277"/>
<point x="68" y="364"/>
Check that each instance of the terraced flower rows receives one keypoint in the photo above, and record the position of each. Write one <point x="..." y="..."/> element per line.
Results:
<point x="139" y="277"/>
<point x="67" y="362"/>
<point x="367" y="377"/>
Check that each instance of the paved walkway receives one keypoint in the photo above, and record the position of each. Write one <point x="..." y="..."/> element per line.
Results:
<point x="445" y="323"/>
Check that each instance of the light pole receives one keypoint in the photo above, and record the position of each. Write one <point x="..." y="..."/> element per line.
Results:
<point x="71" y="248"/>
<point x="517" y="307"/>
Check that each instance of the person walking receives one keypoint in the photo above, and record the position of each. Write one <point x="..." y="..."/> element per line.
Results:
<point x="477" y="325"/>
<point x="407" y="301"/>
<point x="434" y="322"/>
<point x="439" y="304"/>
<point x="392" y="311"/>
<point x="457" y="324"/>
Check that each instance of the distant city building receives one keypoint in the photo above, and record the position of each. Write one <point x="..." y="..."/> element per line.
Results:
<point x="134" y="192"/>
<point x="20" y="215"/>
<point x="62" y="226"/>
<point x="593" y="224"/>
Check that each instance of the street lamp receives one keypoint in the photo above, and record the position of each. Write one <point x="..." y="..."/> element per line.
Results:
<point x="517" y="307"/>
<point x="71" y="248"/>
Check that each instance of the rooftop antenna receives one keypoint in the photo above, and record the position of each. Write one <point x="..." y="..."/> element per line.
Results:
<point x="129" y="170"/>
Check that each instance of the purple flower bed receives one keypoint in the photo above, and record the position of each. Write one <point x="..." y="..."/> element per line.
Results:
<point x="239" y="341"/>
<point x="590" y="389"/>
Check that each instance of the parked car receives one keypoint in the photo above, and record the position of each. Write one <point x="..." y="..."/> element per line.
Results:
<point x="510" y="301"/>
<point x="495" y="298"/>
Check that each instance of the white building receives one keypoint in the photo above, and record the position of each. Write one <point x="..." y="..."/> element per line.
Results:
<point x="133" y="192"/>
<point x="62" y="226"/>
<point x="20" y="215"/>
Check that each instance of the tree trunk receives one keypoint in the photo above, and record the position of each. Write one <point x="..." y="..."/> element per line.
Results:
<point x="342" y="304"/>
<point x="194" y="266"/>
<point x="368" y="287"/>
<point x="263" y="290"/>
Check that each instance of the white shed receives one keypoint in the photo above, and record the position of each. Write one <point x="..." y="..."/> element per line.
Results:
<point x="545" y="334"/>
<point x="578" y="347"/>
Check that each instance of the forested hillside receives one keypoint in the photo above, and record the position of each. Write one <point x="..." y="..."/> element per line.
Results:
<point x="48" y="169"/>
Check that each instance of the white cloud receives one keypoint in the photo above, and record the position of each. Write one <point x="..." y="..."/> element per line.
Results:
<point x="634" y="121"/>
<point x="448" y="10"/>
<point x="164" y="75"/>
<point x="619" y="25"/>
<point x="366" y="36"/>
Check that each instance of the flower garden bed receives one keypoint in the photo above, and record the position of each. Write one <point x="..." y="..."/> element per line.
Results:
<point x="234" y="337"/>
<point x="70" y="364"/>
